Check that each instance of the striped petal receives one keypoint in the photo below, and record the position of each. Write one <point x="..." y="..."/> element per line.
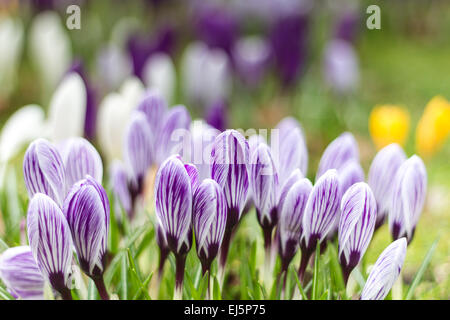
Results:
<point x="383" y="168"/>
<point x="264" y="185"/>
<point x="155" y="107"/>
<point x="138" y="147"/>
<point x="338" y="152"/>
<point x="350" y="174"/>
<point x="295" y="176"/>
<point x="385" y="271"/>
<point x="290" y="220"/>
<point x="193" y="175"/>
<point x="209" y="219"/>
<point x="322" y="209"/>
<point x="20" y="273"/>
<point x="80" y="159"/>
<point x="50" y="240"/>
<point x="173" y="196"/>
<point x="229" y="158"/>
<point x="43" y="171"/>
<point x="86" y="209"/>
<point x="408" y="198"/>
<point x="356" y="224"/>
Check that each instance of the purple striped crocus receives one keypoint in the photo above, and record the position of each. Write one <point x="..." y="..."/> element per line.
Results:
<point x="229" y="159"/>
<point x="321" y="212"/>
<point x="382" y="170"/>
<point x="80" y="158"/>
<point x="173" y="197"/>
<point x="21" y="274"/>
<point x="385" y="271"/>
<point x="51" y="242"/>
<point x="86" y="209"/>
<point x="341" y="150"/>
<point x="43" y="171"/>
<point x="356" y="225"/>
<point x="119" y="185"/>
<point x="291" y="146"/>
<point x="263" y="180"/>
<point x="209" y="221"/>
<point x="407" y="198"/>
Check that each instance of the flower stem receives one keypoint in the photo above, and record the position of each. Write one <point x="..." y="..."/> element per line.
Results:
<point x="180" y="262"/>
<point x="100" y="284"/>
<point x="65" y="293"/>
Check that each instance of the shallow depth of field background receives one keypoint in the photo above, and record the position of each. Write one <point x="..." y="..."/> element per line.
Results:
<point x="407" y="63"/>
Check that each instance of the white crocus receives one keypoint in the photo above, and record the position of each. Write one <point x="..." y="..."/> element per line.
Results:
<point x="114" y="112"/>
<point x="50" y="48"/>
<point x="11" y="36"/>
<point x="159" y="74"/>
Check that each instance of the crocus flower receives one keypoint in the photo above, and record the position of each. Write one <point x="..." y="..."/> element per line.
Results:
<point x="229" y="159"/>
<point x="86" y="209"/>
<point x="209" y="220"/>
<point x="159" y="75"/>
<point x="173" y="197"/>
<point x="408" y="193"/>
<point x="119" y="185"/>
<point x="80" y="159"/>
<point x="113" y="66"/>
<point x="350" y="174"/>
<point x="50" y="242"/>
<point x="385" y="271"/>
<point x="347" y="25"/>
<point x="433" y="127"/>
<point x="321" y="211"/>
<point x="338" y="153"/>
<point x="382" y="170"/>
<point x="289" y="147"/>
<point x="263" y="179"/>
<point x="388" y="124"/>
<point x="291" y="214"/>
<point x="43" y="171"/>
<point x="356" y="225"/>
<point x="341" y="68"/>
<point x="217" y="115"/>
<point x="20" y="273"/>
<point x="154" y="105"/>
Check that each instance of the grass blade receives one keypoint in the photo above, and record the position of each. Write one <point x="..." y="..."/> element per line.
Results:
<point x="315" y="282"/>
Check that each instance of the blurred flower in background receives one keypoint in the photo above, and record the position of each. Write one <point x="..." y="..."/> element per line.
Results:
<point x="389" y="124"/>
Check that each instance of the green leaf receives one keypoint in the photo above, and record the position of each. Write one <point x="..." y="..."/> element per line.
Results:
<point x="299" y="285"/>
<point x="421" y="270"/>
<point x="92" y="290"/>
<point x="5" y="295"/>
<point x="124" y="277"/>
<point x="315" y="281"/>
<point x="216" y="290"/>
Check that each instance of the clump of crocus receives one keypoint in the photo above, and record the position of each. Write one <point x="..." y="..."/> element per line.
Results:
<point x="173" y="197"/>
<point x="385" y="271"/>
<point x="51" y="242"/>
<point x="209" y="221"/>
<point x="20" y="273"/>
<point x="382" y="170"/>
<point x="407" y="198"/>
<point x="356" y="225"/>
<point x="229" y="159"/>
<point x="86" y="209"/>
<point x="321" y="212"/>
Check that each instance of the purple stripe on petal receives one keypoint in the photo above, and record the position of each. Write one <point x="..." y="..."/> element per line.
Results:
<point x="382" y="170"/>
<point x="20" y="273"/>
<point x="407" y="198"/>
<point x="50" y="240"/>
<point x="209" y="219"/>
<point x="173" y="196"/>
<point x="43" y="171"/>
<point x="193" y="175"/>
<point x="385" y="271"/>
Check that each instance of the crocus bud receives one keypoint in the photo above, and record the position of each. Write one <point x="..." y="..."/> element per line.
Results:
<point x="338" y="152"/>
<point x="385" y="271"/>
<point x="321" y="212"/>
<point x="159" y="74"/>
<point x="229" y="158"/>
<point x="43" y="171"/>
<point x="356" y="225"/>
<point x="209" y="220"/>
<point x="138" y="147"/>
<point x="155" y="108"/>
<point x="350" y="174"/>
<point x="264" y="185"/>
<point x="173" y="196"/>
<point x="20" y="273"/>
<point x="80" y="159"/>
<point x="119" y="185"/>
<point x="291" y="146"/>
<point x="295" y="176"/>
<point x="382" y="170"/>
<point x="193" y="175"/>
<point x="50" y="242"/>
<point x="216" y="114"/>
<point x="407" y="198"/>
<point x="290" y="219"/>
<point x="86" y="209"/>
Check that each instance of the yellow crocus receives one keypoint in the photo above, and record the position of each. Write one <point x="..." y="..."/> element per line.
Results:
<point x="388" y="124"/>
<point x="433" y="127"/>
